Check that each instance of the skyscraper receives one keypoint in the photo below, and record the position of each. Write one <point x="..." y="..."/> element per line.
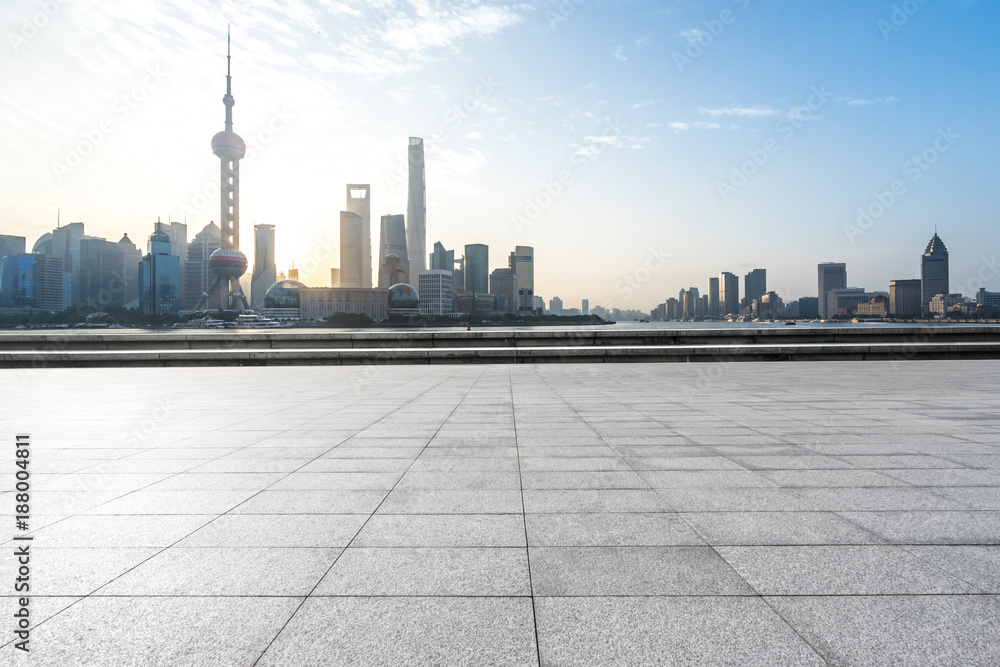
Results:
<point x="392" y="241"/>
<point x="416" y="211"/>
<point x="713" y="297"/>
<point x="754" y="286"/>
<point x="441" y="259"/>
<point x="359" y="201"/>
<point x="832" y="275"/>
<point x="522" y="261"/>
<point x="503" y="285"/>
<point x="933" y="271"/>
<point x="159" y="277"/>
<point x="66" y="244"/>
<point x="435" y="290"/>
<point x="265" y="273"/>
<point x="729" y="293"/>
<point x="350" y="249"/>
<point x="198" y="276"/>
<point x="477" y="268"/>
<point x="904" y="298"/>
<point x="228" y="263"/>
<point x="101" y="274"/>
<point x="11" y="245"/>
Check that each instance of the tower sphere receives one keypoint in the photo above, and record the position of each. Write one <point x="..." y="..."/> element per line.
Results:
<point x="229" y="145"/>
<point x="228" y="263"/>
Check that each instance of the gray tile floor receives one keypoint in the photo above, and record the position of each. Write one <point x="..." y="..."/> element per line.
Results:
<point x="728" y="514"/>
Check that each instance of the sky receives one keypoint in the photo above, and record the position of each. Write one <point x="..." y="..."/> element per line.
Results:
<point x="639" y="147"/>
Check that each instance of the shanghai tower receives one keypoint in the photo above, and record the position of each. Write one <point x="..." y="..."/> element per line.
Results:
<point x="416" y="211"/>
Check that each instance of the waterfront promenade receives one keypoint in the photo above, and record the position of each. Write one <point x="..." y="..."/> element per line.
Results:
<point x="749" y="513"/>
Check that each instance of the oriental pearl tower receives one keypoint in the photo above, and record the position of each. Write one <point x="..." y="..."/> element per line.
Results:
<point x="228" y="263"/>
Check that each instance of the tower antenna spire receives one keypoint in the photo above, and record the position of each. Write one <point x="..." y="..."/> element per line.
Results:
<point x="229" y="100"/>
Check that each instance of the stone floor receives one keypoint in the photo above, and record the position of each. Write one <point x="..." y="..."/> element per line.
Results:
<point x="719" y="514"/>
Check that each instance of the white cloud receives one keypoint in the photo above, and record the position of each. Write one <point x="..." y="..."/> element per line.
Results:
<point x="693" y="35"/>
<point x="618" y="54"/>
<point x="644" y="103"/>
<point x="473" y="135"/>
<point x="746" y="112"/>
<point x="679" y="127"/>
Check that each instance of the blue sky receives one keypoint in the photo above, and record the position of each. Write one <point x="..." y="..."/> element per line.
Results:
<point x="725" y="134"/>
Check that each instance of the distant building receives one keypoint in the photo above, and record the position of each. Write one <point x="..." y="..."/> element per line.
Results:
<point x="658" y="314"/>
<point x="674" y="308"/>
<point x="754" y="286"/>
<point x="555" y="305"/>
<point x="808" y="307"/>
<point x="359" y="202"/>
<point x="690" y="302"/>
<point x="522" y="262"/>
<point x="845" y="301"/>
<point x="832" y="275"/>
<point x="436" y="292"/>
<point x="265" y="272"/>
<point x="317" y="303"/>
<point x="102" y="274"/>
<point x="877" y="306"/>
<point x="392" y="241"/>
<point x="441" y="259"/>
<point x="477" y="268"/>
<point x="131" y="256"/>
<point x="475" y="303"/>
<point x="504" y="286"/>
<point x="905" y="298"/>
<point x="392" y="271"/>
<point x="198" y="275"/>
<point x="713" y="297"/>
<point x="729" y="294"/>
<point x="941" y="304"/>
<point x="988" y="299"/>
<point x="334" y="277"/>
<point x="351" y="250"/>
<point x="585" y="307"/>
<point x="159" y="277"/>
<point x="416" y="209"/>
<point x="11" y="245"/>
<point x="933" y="270"/>
<point x="31" y="280"/>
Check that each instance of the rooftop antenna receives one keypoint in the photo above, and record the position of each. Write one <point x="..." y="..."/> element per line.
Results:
<point x="58" y="217"/>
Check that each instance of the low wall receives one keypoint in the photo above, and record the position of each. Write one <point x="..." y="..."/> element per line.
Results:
<point x="191" y="348"/>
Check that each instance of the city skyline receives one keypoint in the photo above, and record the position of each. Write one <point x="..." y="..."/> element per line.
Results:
<point x="858" y="141"/>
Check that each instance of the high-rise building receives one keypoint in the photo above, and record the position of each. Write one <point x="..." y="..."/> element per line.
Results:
<point x="359" y="201"/>
<point x="477" y="268"/>
<point x="32" y="281"/>
<point x="832" y="275"/>
<point x="65" y="243"/>
<point x="729" y="294"/>
<point x="808" y="306"/>
<point x="555" y="305"/>
<point x="754" y="286"/>
<point x="522" y="261"/>
<point x="392" y="241"/>
<point x="459" y="274"/>
<point x="503" y="285"/>
<point x="198" y="276"/>
<point x="843" y="301"/>
<point x="131" y="256"/>
<point x="101" y="275"/>
<point x="159" y="277"/>
<point x="585" y="307"/>
<point x="904" y="298"/>
<point x="335" y="278"/>
<point x="351" y="262"/>
<point x="689" y="300"/>
<point x="416" y="211"/>
<point x="933" y="271"/>
<point x="713" y="297"/>
<point x="441" y="259"/>
<point x="437" y="296"/>
<point x="228" y="263"/>
<point x="11" y="245"/>
<point x="265" y="272"/>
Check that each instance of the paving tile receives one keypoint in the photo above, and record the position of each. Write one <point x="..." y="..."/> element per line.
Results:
<point x="777" y="528"/>
<point x="385" y="632"/>
<point x="897" y="630"/>
<point x="619" y="479"/>
<point x="589" y="500"/>
<point x="337" y="481"/>
<point x="442" y="530"/>
<point x="277" y="530"/>
<point x="612" y="530"/>
<point x="451" y="501"/>
<point x="673" y="479"/>
<point x="839" y="570"/>
<point x="920" y="527"/>
<point x="444" y="571"/>
<point x="226" y="571"/>
<point x="735" y="499"/>
<point x="625" y="631"/>
<point x="460" y="480"/>
<point x="312" y="502"/>
<point x="589" y="571"/>
<point x="979" y="566"/>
